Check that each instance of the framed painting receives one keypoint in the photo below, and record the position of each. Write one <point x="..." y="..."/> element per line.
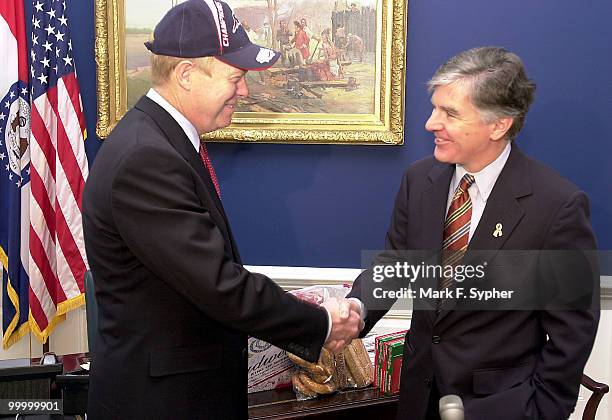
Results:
<point x="340" y="78"/>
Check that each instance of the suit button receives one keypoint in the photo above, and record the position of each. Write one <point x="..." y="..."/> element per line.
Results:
<point x="428" y="382"/>
<point x="436" y="339"/>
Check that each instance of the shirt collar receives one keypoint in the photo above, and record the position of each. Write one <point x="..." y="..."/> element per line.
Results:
<point x="485" y="178"/>
<point x="187" y="127"/>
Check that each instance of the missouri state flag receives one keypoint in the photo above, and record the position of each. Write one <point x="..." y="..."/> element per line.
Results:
<point x="14" y="172"/>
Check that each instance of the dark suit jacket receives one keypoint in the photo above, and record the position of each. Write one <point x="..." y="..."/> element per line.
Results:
<point x="175" y="303"/>
<point x="499" y="362"/>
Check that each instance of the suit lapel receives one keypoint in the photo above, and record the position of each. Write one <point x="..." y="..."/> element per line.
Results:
<point x="433" y="211"/>
<point x="179" y="140"/>
<point x="433" y="206"/>
<point x="502" y="208"/>
<point x="196" y="162"/>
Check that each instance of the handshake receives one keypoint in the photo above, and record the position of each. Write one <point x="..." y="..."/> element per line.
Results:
<point x="346" y="322"/>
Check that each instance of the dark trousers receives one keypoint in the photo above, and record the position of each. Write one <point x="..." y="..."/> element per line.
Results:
<point x="433" y="406"/>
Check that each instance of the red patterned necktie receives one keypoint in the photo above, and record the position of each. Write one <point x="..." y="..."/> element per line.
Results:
<point x="208" y="165"/>
<point x="456" y="230"/>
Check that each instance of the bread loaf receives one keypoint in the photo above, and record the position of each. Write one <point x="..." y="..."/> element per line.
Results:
<point x="358" y="363"/>
<point x="341" y="372"/>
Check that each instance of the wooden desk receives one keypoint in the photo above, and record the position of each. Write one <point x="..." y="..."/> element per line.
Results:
<point x="271" y="404"/>
<point x="352" y="405"/>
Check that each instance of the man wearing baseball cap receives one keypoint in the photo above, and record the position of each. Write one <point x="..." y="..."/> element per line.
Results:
<point x="175" y="304"/>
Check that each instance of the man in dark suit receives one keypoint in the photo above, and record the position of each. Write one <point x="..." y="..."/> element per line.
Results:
<point x="175" y="303"/>
<point x="480" y="192"/>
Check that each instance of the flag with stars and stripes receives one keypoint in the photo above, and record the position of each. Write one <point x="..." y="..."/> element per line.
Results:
<point x="14" y="171"/>
<point x="58" y="171"/>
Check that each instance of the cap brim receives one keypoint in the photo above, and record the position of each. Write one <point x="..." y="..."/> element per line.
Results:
<point x="251" y="57"/>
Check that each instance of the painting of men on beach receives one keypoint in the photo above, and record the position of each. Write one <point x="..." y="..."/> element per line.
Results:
<point x="328" y="50"/>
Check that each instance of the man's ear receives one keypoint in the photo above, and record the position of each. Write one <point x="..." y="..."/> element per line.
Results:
<point x="183" y="73"/>
<point x="501" y="127"/>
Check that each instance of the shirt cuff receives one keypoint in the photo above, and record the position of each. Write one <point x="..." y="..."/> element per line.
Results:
<point x="329" y="324"/>
<point x="363" y="309"/>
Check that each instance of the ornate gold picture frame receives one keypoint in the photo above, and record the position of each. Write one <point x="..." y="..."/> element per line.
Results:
<point x="341" y="79"/>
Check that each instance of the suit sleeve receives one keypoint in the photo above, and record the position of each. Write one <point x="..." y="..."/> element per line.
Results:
<point x="571" y="333"/>
<point x="395" y="240"/>
<point x="167" y="227"/>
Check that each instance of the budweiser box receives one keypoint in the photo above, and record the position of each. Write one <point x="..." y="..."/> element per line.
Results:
<point x="269" y="367"/>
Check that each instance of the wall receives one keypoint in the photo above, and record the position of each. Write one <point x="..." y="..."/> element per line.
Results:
<point x="299" y="205"/>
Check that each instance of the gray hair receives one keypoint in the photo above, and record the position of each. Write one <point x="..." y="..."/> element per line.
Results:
<point x="497" y="81"/>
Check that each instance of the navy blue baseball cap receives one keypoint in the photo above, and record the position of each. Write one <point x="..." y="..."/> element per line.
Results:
<point x="208" y="28"/>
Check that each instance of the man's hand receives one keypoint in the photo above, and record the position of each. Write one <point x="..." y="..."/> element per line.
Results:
<point x="346" y="323"/>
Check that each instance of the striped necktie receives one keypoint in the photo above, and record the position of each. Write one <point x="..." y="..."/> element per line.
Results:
<point x="456" y="231"/>
<point x="208" y="164"/>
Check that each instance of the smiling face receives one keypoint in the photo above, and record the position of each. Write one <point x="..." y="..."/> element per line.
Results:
<point x="461" y="136"/>
<point x="213" y="94"/>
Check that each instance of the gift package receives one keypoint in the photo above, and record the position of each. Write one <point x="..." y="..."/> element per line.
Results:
<point x="388" y="361"/>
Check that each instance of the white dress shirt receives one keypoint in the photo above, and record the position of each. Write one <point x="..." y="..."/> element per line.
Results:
<point x="481" y="189"/>
<point x="187" y="127"/>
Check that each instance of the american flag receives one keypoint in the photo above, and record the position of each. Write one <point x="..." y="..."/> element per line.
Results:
<point x="58" y="171"/>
